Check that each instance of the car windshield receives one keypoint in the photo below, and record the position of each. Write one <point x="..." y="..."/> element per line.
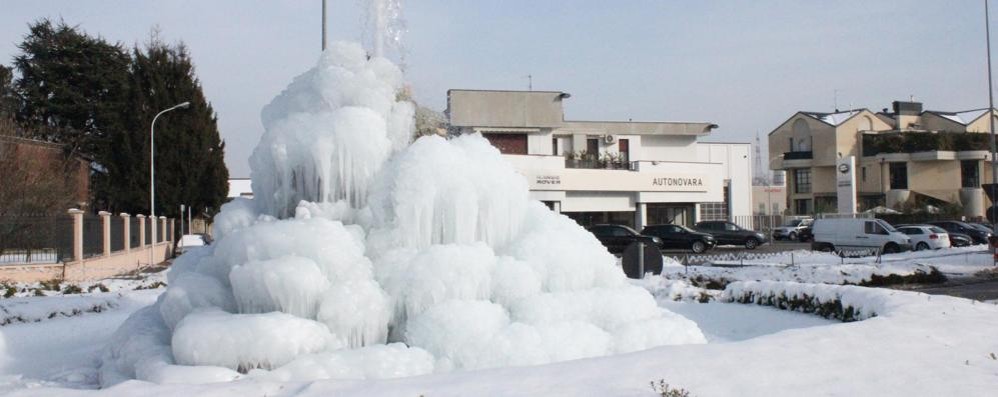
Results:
<point x="793" y="223"/>
<point x="980" y="227"/>
<point x="887" y="226"/>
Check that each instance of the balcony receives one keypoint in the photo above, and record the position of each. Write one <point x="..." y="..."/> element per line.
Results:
<point x="917" y="142"/>
<point x="597" y="164"/>
<point x="798" y="155"/>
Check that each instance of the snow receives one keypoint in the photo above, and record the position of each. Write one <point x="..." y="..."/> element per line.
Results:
<point x="915" y="345"/>
<point x="837" y="118"/>
<point x="357" y="240"/>
<point x="965" y="117"/>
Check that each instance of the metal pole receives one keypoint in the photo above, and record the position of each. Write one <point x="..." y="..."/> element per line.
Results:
<point x="188" y="220"/>
<point x="323" y="25"/>
<point x="152" y="176"/>
<point x="991" y="122"/>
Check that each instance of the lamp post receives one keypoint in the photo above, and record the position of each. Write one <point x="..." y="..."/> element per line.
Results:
<point x="991" y="123"/>
<point x="152" y="174"/>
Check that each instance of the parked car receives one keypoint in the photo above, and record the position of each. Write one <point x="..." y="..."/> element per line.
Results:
<point x="791" y="230"/>
<point x="924" y="237"/>
<point x="727" y="233"/>
<point x="960" y="240"/>
<point x="979" y="236"/>
<point x="806" y="234"/>
<point x="617" y="237"/>
<point x="678" y="236"/>
<point x="190" y="241"/>
<point x="839" y="234"/>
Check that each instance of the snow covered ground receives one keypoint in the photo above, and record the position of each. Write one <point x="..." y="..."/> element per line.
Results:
<point x="914" y="344"/>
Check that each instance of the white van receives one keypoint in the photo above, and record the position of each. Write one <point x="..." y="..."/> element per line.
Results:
<point x="843" y="234"/>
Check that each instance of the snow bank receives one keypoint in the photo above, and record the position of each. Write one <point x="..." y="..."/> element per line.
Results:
<point x="356" y="240"/>
<point x="246" y="341"/>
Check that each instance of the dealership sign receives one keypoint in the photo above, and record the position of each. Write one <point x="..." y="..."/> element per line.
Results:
<point x="617" y="180"/>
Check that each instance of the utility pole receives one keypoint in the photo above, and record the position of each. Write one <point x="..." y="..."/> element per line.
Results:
<point x="323" y="25"/>
<point x="991" y="123"/>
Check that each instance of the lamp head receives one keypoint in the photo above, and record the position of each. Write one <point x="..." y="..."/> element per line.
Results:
<point x="184" y="105"/>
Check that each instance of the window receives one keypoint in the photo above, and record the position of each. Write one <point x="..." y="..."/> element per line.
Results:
<point x="911" y="230"/>
<point x="899" y="175"/>
<point x="969" y="174"/>
<point x="863" y="173"/>
<point x="731" y="227"/>
<point x="508" y="143"/>
<point x="592" y="148"/>
<point x="624" y="147"/>
<point x="554" y="146"/>
<point x="802" y="207"/>
<point x="872" y="227"/>
<point x="802" y="180"/>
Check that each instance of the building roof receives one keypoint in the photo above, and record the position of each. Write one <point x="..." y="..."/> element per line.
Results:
<point x="836" y="118"/>
<point x="965" y="117"/>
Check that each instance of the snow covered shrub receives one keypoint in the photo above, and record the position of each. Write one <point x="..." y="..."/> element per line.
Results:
<point x="666" y="390"/>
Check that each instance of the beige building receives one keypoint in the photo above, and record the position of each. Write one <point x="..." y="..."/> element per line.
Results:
<point x="905" y="158"/>
<point x="622" y="172"/>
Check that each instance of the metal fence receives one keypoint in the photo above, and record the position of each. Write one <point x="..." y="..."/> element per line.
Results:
<point x="93" y="236"/>
<point x="117" y="234"/>
<point x="36" y="239"/>
<point x="133" y="229"/>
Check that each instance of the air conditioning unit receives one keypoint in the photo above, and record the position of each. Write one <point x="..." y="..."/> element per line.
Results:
<point x="608" y="139"/>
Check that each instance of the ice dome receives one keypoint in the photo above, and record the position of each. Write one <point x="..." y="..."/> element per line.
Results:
<point x="365" y="255"/>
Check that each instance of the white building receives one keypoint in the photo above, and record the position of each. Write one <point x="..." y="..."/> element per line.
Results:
<point x="240" y="187"/>
<point x="632" y="173"/>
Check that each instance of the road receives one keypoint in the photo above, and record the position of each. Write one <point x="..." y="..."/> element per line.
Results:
<point x="982" y="289"/>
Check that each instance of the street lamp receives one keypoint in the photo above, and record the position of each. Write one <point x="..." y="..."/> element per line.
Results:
<point x="152" y="176"/>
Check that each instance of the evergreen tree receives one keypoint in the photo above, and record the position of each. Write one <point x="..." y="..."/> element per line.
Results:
<point x="71" y="87"/>
<point x="190" y="167"/>
<point x="8" y="97"/>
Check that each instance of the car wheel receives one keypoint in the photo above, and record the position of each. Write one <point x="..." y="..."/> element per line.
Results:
<point x="751" y="243"/>
<point x="921" y="246"/>
<point x="891" y="248"/>
<point x="826" y="248"/>
<point x="698" y="247"/>
<point x="792" y="236"/>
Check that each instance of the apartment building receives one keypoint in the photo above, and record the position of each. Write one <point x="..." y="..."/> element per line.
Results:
<point x="631" y="173"/>
<point x="905" y="157"/>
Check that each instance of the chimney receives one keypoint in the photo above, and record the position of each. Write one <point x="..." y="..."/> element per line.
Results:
<point x="907" y="108"/>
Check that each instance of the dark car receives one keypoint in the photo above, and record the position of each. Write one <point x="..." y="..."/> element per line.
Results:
<point x="678" y="236"/>
<point x="727" y="233"/>
<point x="617" y="237"/>
<point x="806" y="234"/>
<point x="960" y="240"/>
<point x="978" y="235"/>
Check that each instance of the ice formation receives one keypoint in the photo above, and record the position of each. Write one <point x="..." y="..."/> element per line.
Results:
<point x="362" y="255"/>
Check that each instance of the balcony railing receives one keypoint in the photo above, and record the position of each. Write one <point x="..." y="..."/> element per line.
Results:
<point x="798" y="155"/>
<point x="597" y="164"/>
<point x="914" y="142"/>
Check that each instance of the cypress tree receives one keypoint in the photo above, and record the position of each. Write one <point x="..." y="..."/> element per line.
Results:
<point x="190" y="167"/>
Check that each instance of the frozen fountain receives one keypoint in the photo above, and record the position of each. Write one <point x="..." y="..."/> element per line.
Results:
<point x="366" y="255"/>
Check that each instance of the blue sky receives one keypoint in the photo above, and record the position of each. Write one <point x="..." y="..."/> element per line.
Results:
<point x="745" y="65"/>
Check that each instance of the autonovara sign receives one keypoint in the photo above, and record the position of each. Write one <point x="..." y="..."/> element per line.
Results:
<point x="617" y="181"/>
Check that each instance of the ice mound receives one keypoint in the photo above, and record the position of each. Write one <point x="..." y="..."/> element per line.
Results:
<point x="365" y="256"/>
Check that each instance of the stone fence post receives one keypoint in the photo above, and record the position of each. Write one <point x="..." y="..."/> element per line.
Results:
<point x="77" y="233"/>
<point x="142" y="230"/>
<point x="105" y="220"/>
<point x="126" y="231"/>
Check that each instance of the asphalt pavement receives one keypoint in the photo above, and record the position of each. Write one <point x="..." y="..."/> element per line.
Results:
<point x="978" y="288"/>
